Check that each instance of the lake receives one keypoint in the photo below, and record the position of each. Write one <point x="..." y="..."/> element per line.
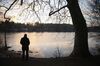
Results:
<point x="47" y="44"/>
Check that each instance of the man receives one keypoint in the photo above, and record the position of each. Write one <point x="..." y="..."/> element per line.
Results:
<point x="25" y="46"/>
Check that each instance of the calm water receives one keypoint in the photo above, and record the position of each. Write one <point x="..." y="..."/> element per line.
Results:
<point x="48" y="44"/>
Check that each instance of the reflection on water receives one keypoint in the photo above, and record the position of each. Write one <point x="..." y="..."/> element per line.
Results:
<point x="47" y="44"/>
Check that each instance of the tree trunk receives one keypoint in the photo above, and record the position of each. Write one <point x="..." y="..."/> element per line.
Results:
<point x="81" y="34"/>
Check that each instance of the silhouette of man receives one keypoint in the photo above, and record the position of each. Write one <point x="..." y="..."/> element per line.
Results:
<point x="25" y="46"/>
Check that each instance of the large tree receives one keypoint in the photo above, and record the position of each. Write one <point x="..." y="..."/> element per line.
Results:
<point x="81" y="33"/>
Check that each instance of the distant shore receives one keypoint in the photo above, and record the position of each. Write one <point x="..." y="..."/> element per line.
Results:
<point x="41" y="27"/>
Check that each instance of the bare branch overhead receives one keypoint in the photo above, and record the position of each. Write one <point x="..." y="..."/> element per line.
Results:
<point x="21" y="3"/>
<point x="51" y="13"/>
<point x="9" y="9"/>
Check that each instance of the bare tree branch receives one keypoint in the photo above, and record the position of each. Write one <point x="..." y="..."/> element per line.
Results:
<point x="21" y="3"/>
<point x="9" y="9"/>
<point x="3" y="6"/>
<point x="37" y="16"/>
<point x="26" y="8"/>
<point x="56" y="10"/>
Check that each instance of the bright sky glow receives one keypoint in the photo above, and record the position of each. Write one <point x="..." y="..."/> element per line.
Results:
<point x="21" y="14"/>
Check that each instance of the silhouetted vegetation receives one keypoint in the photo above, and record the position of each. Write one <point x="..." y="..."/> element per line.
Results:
<point x="38" y="27"/>
<point x="15" y="27"/>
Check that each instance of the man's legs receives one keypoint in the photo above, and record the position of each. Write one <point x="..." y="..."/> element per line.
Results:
<point x="23" y="54"/>
<point x="27" y="55"/>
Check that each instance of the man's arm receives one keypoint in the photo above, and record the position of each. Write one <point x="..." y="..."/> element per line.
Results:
<point x="21" y="41"/>
<point x="28" y="41"/>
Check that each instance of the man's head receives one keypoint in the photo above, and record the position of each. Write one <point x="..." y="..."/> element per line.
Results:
<point x="25" y="35"/>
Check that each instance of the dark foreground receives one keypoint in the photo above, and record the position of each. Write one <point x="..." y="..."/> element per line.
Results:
<point x="50" y="62"/>
<point x="13" y="59"/>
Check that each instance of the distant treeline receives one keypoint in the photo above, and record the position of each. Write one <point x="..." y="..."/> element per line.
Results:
<point x="94" y="29"/>
<point x="39" y="27"/>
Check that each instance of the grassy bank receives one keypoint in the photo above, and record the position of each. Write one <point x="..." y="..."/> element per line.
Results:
<point x="12" y="58"/>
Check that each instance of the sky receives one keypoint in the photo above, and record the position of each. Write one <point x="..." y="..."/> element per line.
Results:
<point x="22" y="15"/>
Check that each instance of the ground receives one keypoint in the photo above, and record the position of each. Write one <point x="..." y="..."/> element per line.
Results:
<point x="13" y="59"/>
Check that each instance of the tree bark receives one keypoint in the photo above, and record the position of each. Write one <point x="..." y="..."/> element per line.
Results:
<point x="81" y="34"/>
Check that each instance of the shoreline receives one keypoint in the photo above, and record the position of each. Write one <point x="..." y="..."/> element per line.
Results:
<point x="14" y="59"/>
<point x="5" y="53"/>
